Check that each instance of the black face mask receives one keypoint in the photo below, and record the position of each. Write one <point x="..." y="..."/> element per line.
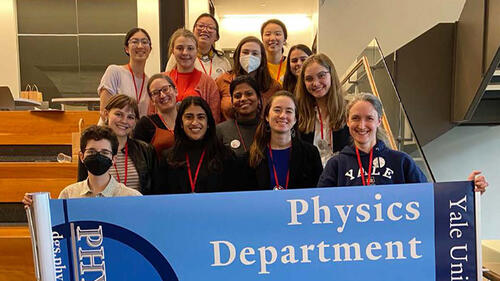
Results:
<point x="97" y="164"/>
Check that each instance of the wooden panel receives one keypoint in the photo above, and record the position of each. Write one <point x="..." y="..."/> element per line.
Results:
<point x="492" y="32"/>
<point x="16" y="259"/>
<point x="19" y="178"/>
<point x="25" y="127"/>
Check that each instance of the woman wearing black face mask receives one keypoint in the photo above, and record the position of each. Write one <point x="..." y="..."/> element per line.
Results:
<point x="98" y="149"/>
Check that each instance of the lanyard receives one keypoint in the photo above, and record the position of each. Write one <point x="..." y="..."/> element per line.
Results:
<point x="239" y="133"/>
<point x="209" y="74"/>
<point x="137" y="97"/>
<point x="125" y="165"/>
<point x="165" y="123"/>
<point x="370" y="163"/>
<point x="320" y="122"/>
<point x="278" y="186"/>
<point x="279" y="70"/>
<point x="191" y="180"/>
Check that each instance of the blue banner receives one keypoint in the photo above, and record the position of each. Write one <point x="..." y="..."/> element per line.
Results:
<point x="394" y="232"/>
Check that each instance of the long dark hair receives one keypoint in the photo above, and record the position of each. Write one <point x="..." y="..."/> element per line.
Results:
<point x="263" y="134"/>
<point x="215" y="153"/>
<point x="262" y="75"/>
<point x="290" y="80"/>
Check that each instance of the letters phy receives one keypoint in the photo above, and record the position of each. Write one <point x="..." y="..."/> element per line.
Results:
<point x="225" y="253"/>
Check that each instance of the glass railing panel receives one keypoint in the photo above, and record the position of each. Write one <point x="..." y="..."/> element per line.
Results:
<point x="373" y="76"/>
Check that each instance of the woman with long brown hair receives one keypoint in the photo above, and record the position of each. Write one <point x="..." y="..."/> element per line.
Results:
<point x="321" y="106"/>
<point x="280" y="159"/>
<point x="249" y="59"/>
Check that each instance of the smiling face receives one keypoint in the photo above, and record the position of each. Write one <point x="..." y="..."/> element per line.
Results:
<point x="205" y="31"/>
<point x="273" y="38"/>
<point x="297" y="58"/>
<point x="121" y="121"/>
<point x="185" y="53"/>
<point x="245" y="101"/>
<point x="163" y="95"/>
<point x="317" y="80"/>
<point x="138" y="46"/>
<point x="363" y="121"/>
<point x="281" y="117"/>
<point x="194" y="122"/>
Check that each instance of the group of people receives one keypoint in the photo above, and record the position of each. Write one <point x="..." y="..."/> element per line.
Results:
<point x="269" y="121"/>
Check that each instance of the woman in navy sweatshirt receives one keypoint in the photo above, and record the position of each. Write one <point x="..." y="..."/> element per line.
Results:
<point x="368" y="161"/>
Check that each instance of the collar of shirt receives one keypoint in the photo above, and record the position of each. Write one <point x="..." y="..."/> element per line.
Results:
<point x="107" y="192"/>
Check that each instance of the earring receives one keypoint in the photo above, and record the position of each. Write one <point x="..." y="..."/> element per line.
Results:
<point x="293" y="132"/>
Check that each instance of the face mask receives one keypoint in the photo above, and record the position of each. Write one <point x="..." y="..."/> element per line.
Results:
<point x="97" y="164"/>
<point x="249" y="62"/>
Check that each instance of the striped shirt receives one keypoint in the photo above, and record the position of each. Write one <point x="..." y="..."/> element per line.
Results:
<point x="118" y="171"/>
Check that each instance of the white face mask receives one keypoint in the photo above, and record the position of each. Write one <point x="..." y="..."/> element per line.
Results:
<point x="249" y="62"/>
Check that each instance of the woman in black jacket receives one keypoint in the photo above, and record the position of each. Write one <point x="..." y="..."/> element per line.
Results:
<point x="278" y="157"/>
<point x="199" y="161"/>
<point x="136" y="161"/>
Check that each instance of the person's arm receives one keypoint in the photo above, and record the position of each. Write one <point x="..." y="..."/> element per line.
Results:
<point x="104" y="97"/>
<point x="480" y="182"/>
<point x="225" y="98"/>
<point x="317" y="167"/>
<point x="329" y="177"/>
<point x="145" y="129"/>
<point x="213" y="99"/>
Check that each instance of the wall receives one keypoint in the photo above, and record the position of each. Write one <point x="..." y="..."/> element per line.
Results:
<point x="148" y="18"/>
<point x="194" y="8"/>
<point x="9" y="70"/>
<point x="300" y="29"/>
<point x="346" y="27"/>
<point x="455" y="154"/>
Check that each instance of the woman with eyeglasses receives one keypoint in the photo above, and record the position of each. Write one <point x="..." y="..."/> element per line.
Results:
<point x="210" y="61"/>
<point x="296" y="58"/>
<point x="198" y="161"/>
<point x="136" y="161"/>
<point x="246" y="99"/>
<point x="321" y="106"/>
<point x="128" y="79"/>
<point x="249" y="59"/>
<point x="188" y="80"/>
<point x="274" y="34"/>
<point x="158" y="129"/>
<point x="279" y="158"/>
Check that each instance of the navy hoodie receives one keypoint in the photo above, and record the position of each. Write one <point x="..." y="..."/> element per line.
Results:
<point x="389" y="167"/>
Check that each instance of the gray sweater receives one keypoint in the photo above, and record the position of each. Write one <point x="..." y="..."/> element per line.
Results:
<point x="228" y="133"/>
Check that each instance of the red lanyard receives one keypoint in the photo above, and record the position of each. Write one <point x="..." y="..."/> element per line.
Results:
<point x="320" y="122"/>
<point x="279" y="70"/>
<point x="278" y="186"/>
<point x="191" y="180"/>
<point x="125" y="165"/>
<point x="209" y="74"/>
<point x="370" y="163"/>
<point x="164" y="123"/>
<point x="239" y="133"/>
<point x="137" y="97"/>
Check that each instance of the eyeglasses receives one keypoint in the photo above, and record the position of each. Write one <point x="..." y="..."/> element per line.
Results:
<point x="163" y="90"/>
<point x="104" y="152"/>
<point x="201" y="26"/>
<point x="135" y="42"/>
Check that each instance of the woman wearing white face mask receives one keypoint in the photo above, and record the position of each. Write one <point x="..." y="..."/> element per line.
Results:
<point x="249" y="58"/>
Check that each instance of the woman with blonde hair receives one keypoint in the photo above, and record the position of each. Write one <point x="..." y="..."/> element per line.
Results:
<point x="368" y="161"/>
<point x="188" y="80"/>
<point x="321" y="106"/>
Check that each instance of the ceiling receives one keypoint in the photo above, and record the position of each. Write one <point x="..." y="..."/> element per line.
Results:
<point x="249" y="7"/>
